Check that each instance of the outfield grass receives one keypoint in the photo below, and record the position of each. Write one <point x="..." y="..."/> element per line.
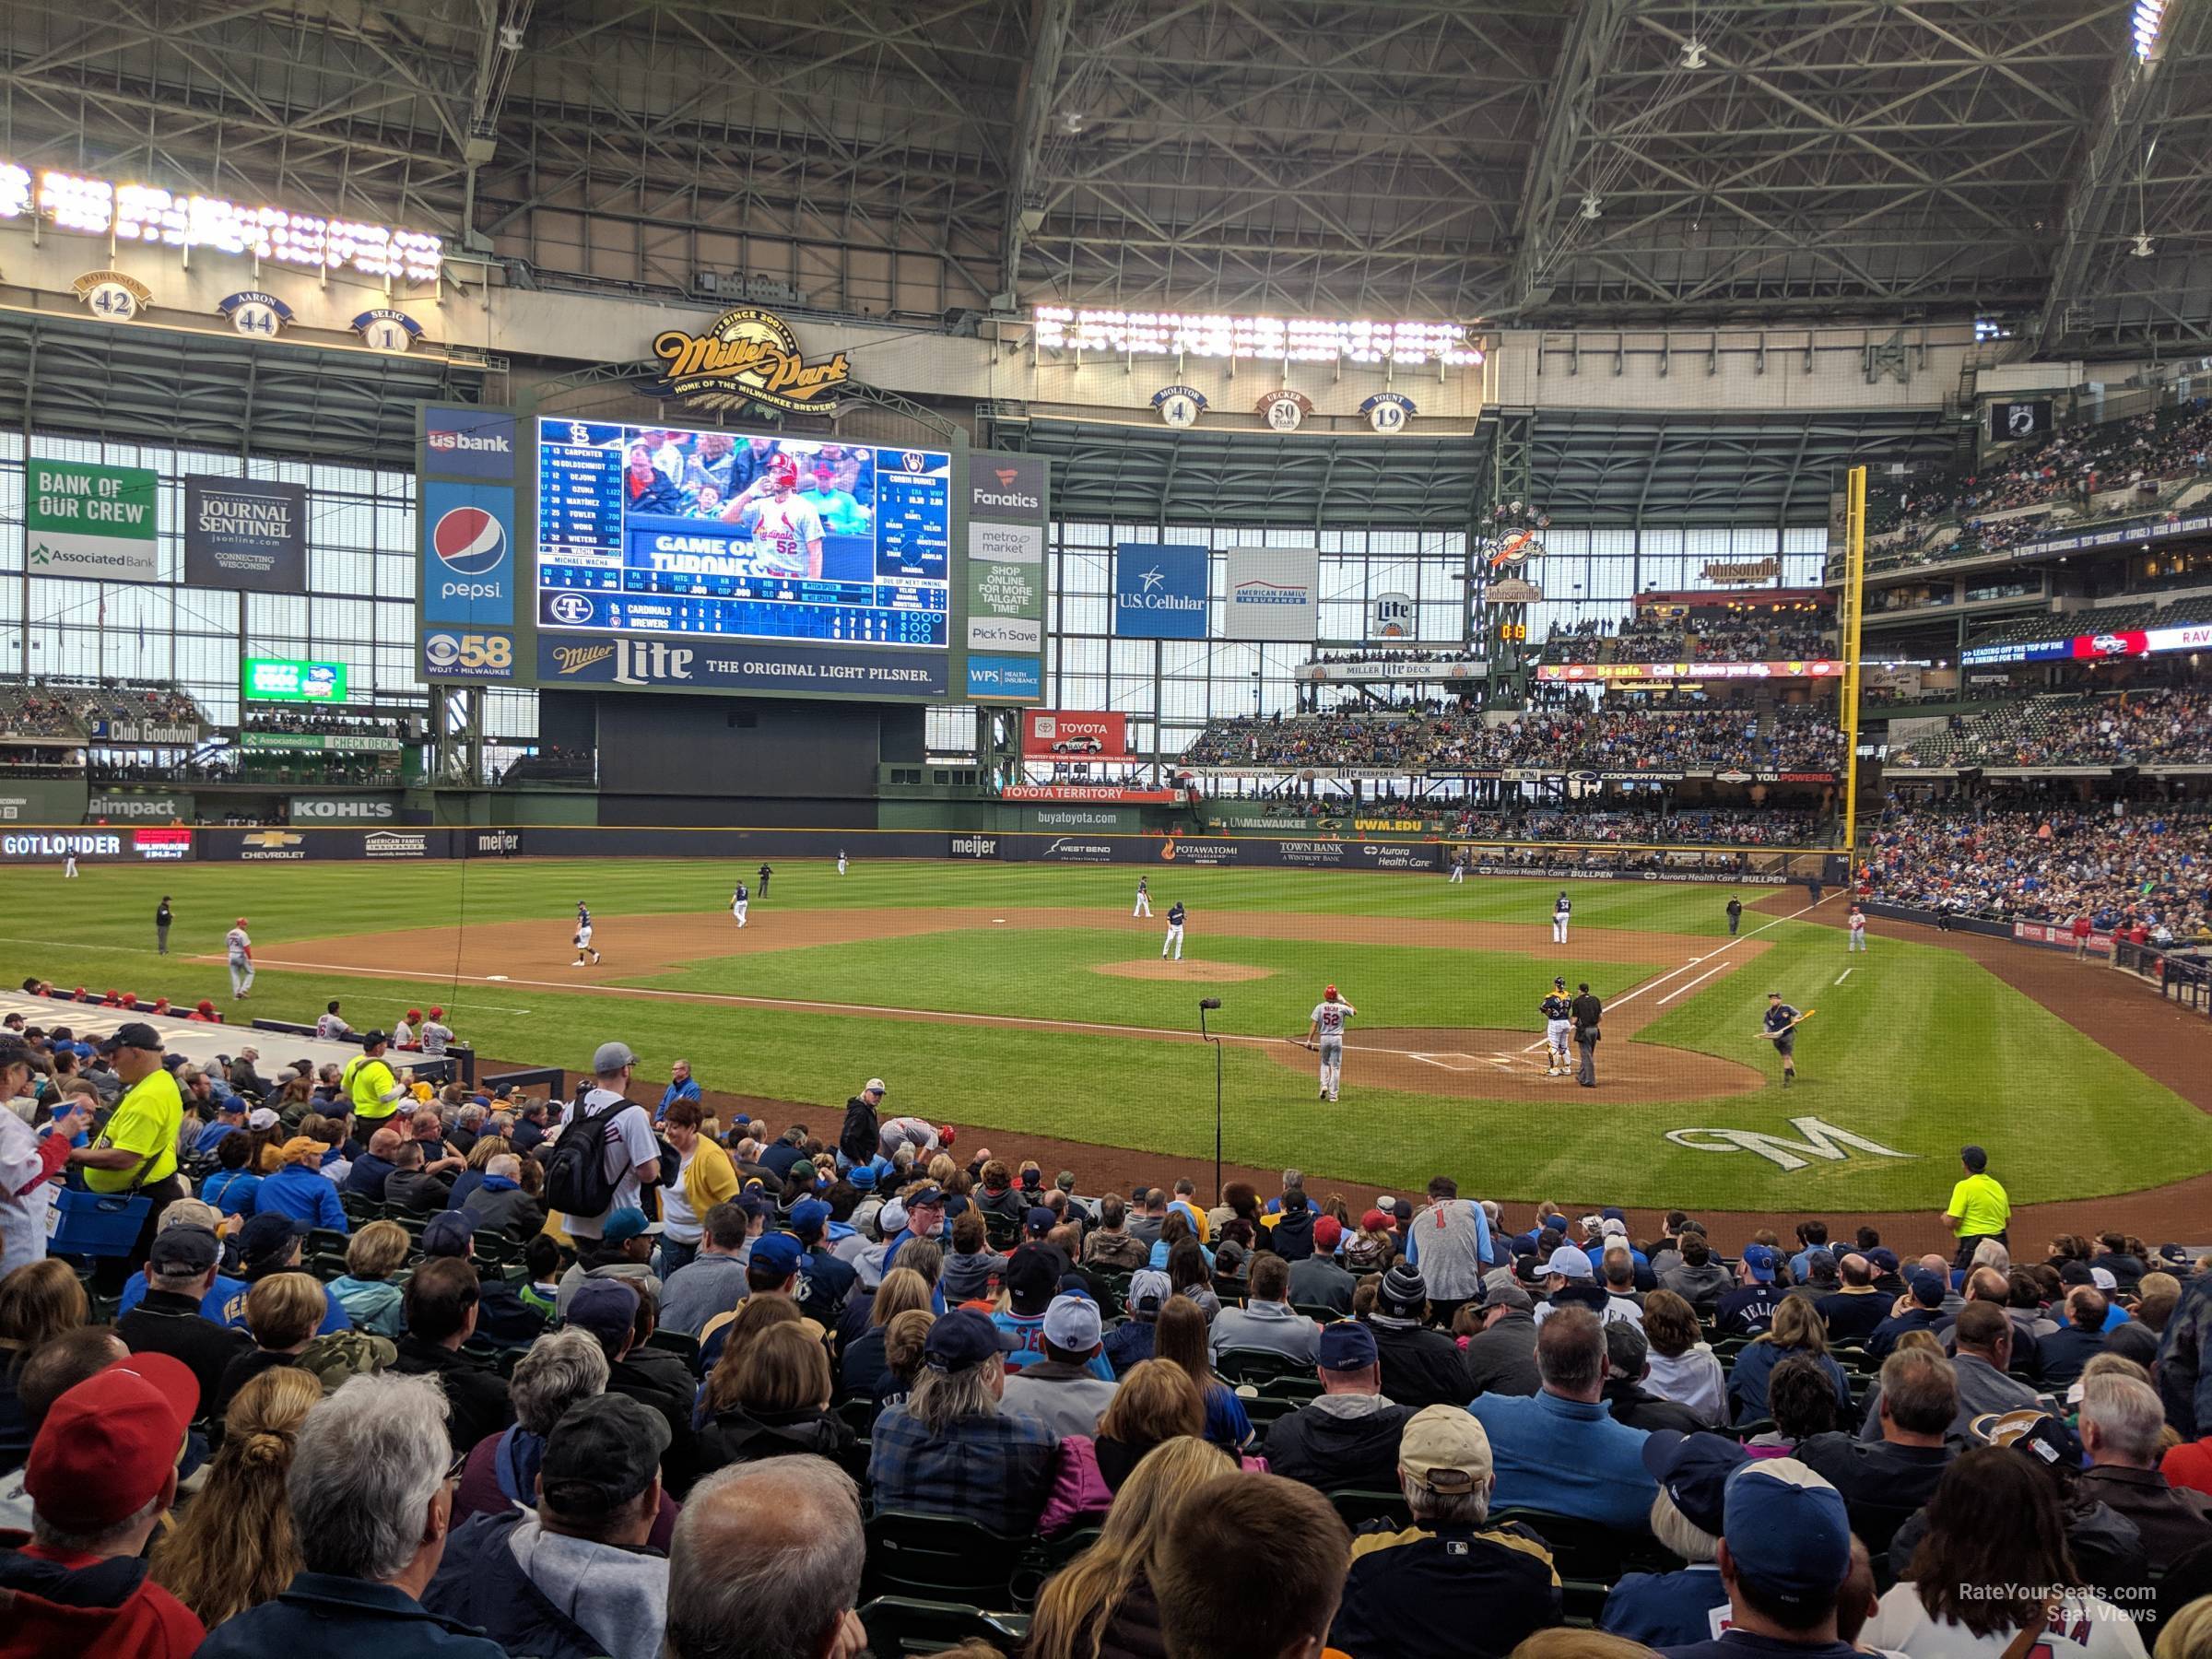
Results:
<point x="1918" y="1050"/>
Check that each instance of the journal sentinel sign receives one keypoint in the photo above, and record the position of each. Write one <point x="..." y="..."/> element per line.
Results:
<point x="1160" y="592"/>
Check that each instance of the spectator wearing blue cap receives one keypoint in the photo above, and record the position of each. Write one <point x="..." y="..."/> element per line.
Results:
<point x="1663" y="1608"/>
<point x="1920" y="1309"/>
<point x="714" y="1282"/>
<point x="1749" y="1308"/>
<point x="1060" y="1390"/>
<point x="949" y="1449"/>
<point x="828" y="1282"/>
<point x="1559" y="1450"/>
<point x="268" y="1244"/>
<point x="771" y="1269"/>
<point x="1348" y="1437"/>
<point x="622" y="1250"/>
<point x="1450" y="1582"/>
<point x="1786" y="1550"/>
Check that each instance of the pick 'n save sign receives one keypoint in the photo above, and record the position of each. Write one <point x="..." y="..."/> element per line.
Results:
<point x="81" y="519"/>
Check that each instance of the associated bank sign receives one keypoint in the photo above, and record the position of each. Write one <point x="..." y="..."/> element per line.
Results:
<point x="1159" y="591"/>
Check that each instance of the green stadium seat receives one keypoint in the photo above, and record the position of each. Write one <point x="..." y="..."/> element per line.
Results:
<point x="925" y="1556"/>
<point x="1262" y="1366"/>
<point x="676" y="1341"/>
<point x="1590" y="1558"/>
<point x="1359" y="1507"/>
<point x="899" y="1625"/>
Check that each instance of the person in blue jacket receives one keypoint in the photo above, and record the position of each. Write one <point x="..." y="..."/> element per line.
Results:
<point x="299" y="1189"/>
<point x="232" y="1189"/>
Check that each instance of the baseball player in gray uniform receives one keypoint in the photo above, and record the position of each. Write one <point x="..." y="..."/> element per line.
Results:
<point x="1326" y="1032"/>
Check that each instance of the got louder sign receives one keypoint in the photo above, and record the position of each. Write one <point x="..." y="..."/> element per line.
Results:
<point x="1048" y="734"/>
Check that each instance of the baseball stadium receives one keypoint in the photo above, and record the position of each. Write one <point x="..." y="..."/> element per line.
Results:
<point x="1463" y="747"/>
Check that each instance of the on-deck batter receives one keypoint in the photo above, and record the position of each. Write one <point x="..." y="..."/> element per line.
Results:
<point x="1328" y="1032"/>
<point x="1558" y="1027"/>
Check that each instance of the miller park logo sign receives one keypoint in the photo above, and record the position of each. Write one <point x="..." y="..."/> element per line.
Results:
<point x="747" y="356"/>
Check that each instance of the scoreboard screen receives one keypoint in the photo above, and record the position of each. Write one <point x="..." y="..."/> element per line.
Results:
<point x="659" y="530"/>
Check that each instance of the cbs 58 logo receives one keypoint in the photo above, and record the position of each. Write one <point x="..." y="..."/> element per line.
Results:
<point x="483" y="654"/>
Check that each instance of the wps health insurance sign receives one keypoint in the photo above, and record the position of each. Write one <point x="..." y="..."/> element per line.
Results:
<point x="1159" y="591"/>
<point x="83" y="520"/>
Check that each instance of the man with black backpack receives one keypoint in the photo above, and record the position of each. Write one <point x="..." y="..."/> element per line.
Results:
<point x="607" y="1155"/>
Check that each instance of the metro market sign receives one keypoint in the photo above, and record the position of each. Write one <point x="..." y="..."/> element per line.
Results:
<point x="318" y="742"/>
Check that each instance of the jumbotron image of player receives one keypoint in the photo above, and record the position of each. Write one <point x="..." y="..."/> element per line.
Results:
<point x="785" y="529"/>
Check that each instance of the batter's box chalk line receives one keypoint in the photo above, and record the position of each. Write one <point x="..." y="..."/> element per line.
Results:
<point x="1443" y="1060"/>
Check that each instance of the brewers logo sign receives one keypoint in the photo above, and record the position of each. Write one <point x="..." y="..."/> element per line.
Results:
<point x="750" y="356"/>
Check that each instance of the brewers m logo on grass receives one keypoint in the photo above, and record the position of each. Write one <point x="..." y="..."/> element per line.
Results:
<point x="747" y="356"/>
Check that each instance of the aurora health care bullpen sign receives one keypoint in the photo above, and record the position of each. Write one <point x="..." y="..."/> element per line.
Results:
<point x="84" y="520"/>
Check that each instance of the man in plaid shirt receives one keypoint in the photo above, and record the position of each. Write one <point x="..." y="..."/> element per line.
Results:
<point x="949" y="1450"/>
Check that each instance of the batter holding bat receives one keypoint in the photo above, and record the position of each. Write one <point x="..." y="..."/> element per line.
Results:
<point x="1559" y="1026"/>
<point x="1781" y="1028"/>
<point x="1326" y="1035"/>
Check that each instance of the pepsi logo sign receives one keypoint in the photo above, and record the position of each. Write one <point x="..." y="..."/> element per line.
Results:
<point x="469" y="540"/>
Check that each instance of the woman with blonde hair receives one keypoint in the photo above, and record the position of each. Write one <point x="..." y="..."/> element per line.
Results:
<point x="774" y="1402"/>
<point x="1101" y="1603"/>
<point x="1684" y="1368"/>
<point x="282" y="1311"/>
<point x="235" y="1548"/>
<point x="365" y="1290"/>
<point x="904" y="1335"/>
<point x="2188" y="1634"/>
<point x="1797" y="1329"/>
<point x="901" y="1290"/>
<point x="754" y="1315"/>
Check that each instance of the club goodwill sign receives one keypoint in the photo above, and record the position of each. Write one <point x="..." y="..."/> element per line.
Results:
<point x="245" y="533"/>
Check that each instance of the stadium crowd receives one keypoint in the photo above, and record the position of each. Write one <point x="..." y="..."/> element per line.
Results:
<point x="1575" y="737"/>
<point x="1732" y="827"/>
<point x="762" y="1390"/>
<point x="1718" y="638"/>
<point x="2147" y="865"/>
<point x="2130" y="728"/>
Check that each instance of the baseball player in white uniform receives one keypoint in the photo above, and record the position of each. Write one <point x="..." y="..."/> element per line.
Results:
<point x="740" y="901"/>
<point x="841" y="861"/>
<point x="69" y="866"/>
<point x="1561" y="907"/>
<point x="1459" y="866"/>
<point x="239" y="946"/>
<point x="1174" y="939"/>
<point x="1558" y="1009"/>
<point x="1144" y="898"/>
<point x="1858" y="930"/>
<point x="584" y="936"/>
<point x="786" y="530"/>
<point x="1328" y="1033"/>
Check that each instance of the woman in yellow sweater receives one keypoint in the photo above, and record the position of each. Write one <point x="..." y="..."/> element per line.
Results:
<point x="708" y="1178"/>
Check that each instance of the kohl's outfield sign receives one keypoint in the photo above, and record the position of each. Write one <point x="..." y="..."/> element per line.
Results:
<point x="83" y="520"/>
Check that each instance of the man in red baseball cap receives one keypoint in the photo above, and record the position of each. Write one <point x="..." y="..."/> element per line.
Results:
<point x="102" y="1471"/>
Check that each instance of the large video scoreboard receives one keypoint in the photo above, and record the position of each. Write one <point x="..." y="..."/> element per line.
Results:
<point x="662" y="530"/>
<point x="564" y="551"/>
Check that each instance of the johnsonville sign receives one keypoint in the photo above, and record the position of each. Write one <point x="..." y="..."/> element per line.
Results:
<point x="749" y="356"/>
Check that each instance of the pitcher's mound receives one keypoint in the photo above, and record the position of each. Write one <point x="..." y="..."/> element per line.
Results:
<point x="1154" y="968"/>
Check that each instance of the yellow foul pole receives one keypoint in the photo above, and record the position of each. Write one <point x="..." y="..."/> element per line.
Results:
<point x="1854" y="594"/>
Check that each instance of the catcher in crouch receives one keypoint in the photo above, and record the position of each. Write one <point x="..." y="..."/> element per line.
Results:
<point x="1326" y="1032"/>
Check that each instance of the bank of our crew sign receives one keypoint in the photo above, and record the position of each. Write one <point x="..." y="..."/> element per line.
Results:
<point x="85" y="519"/>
